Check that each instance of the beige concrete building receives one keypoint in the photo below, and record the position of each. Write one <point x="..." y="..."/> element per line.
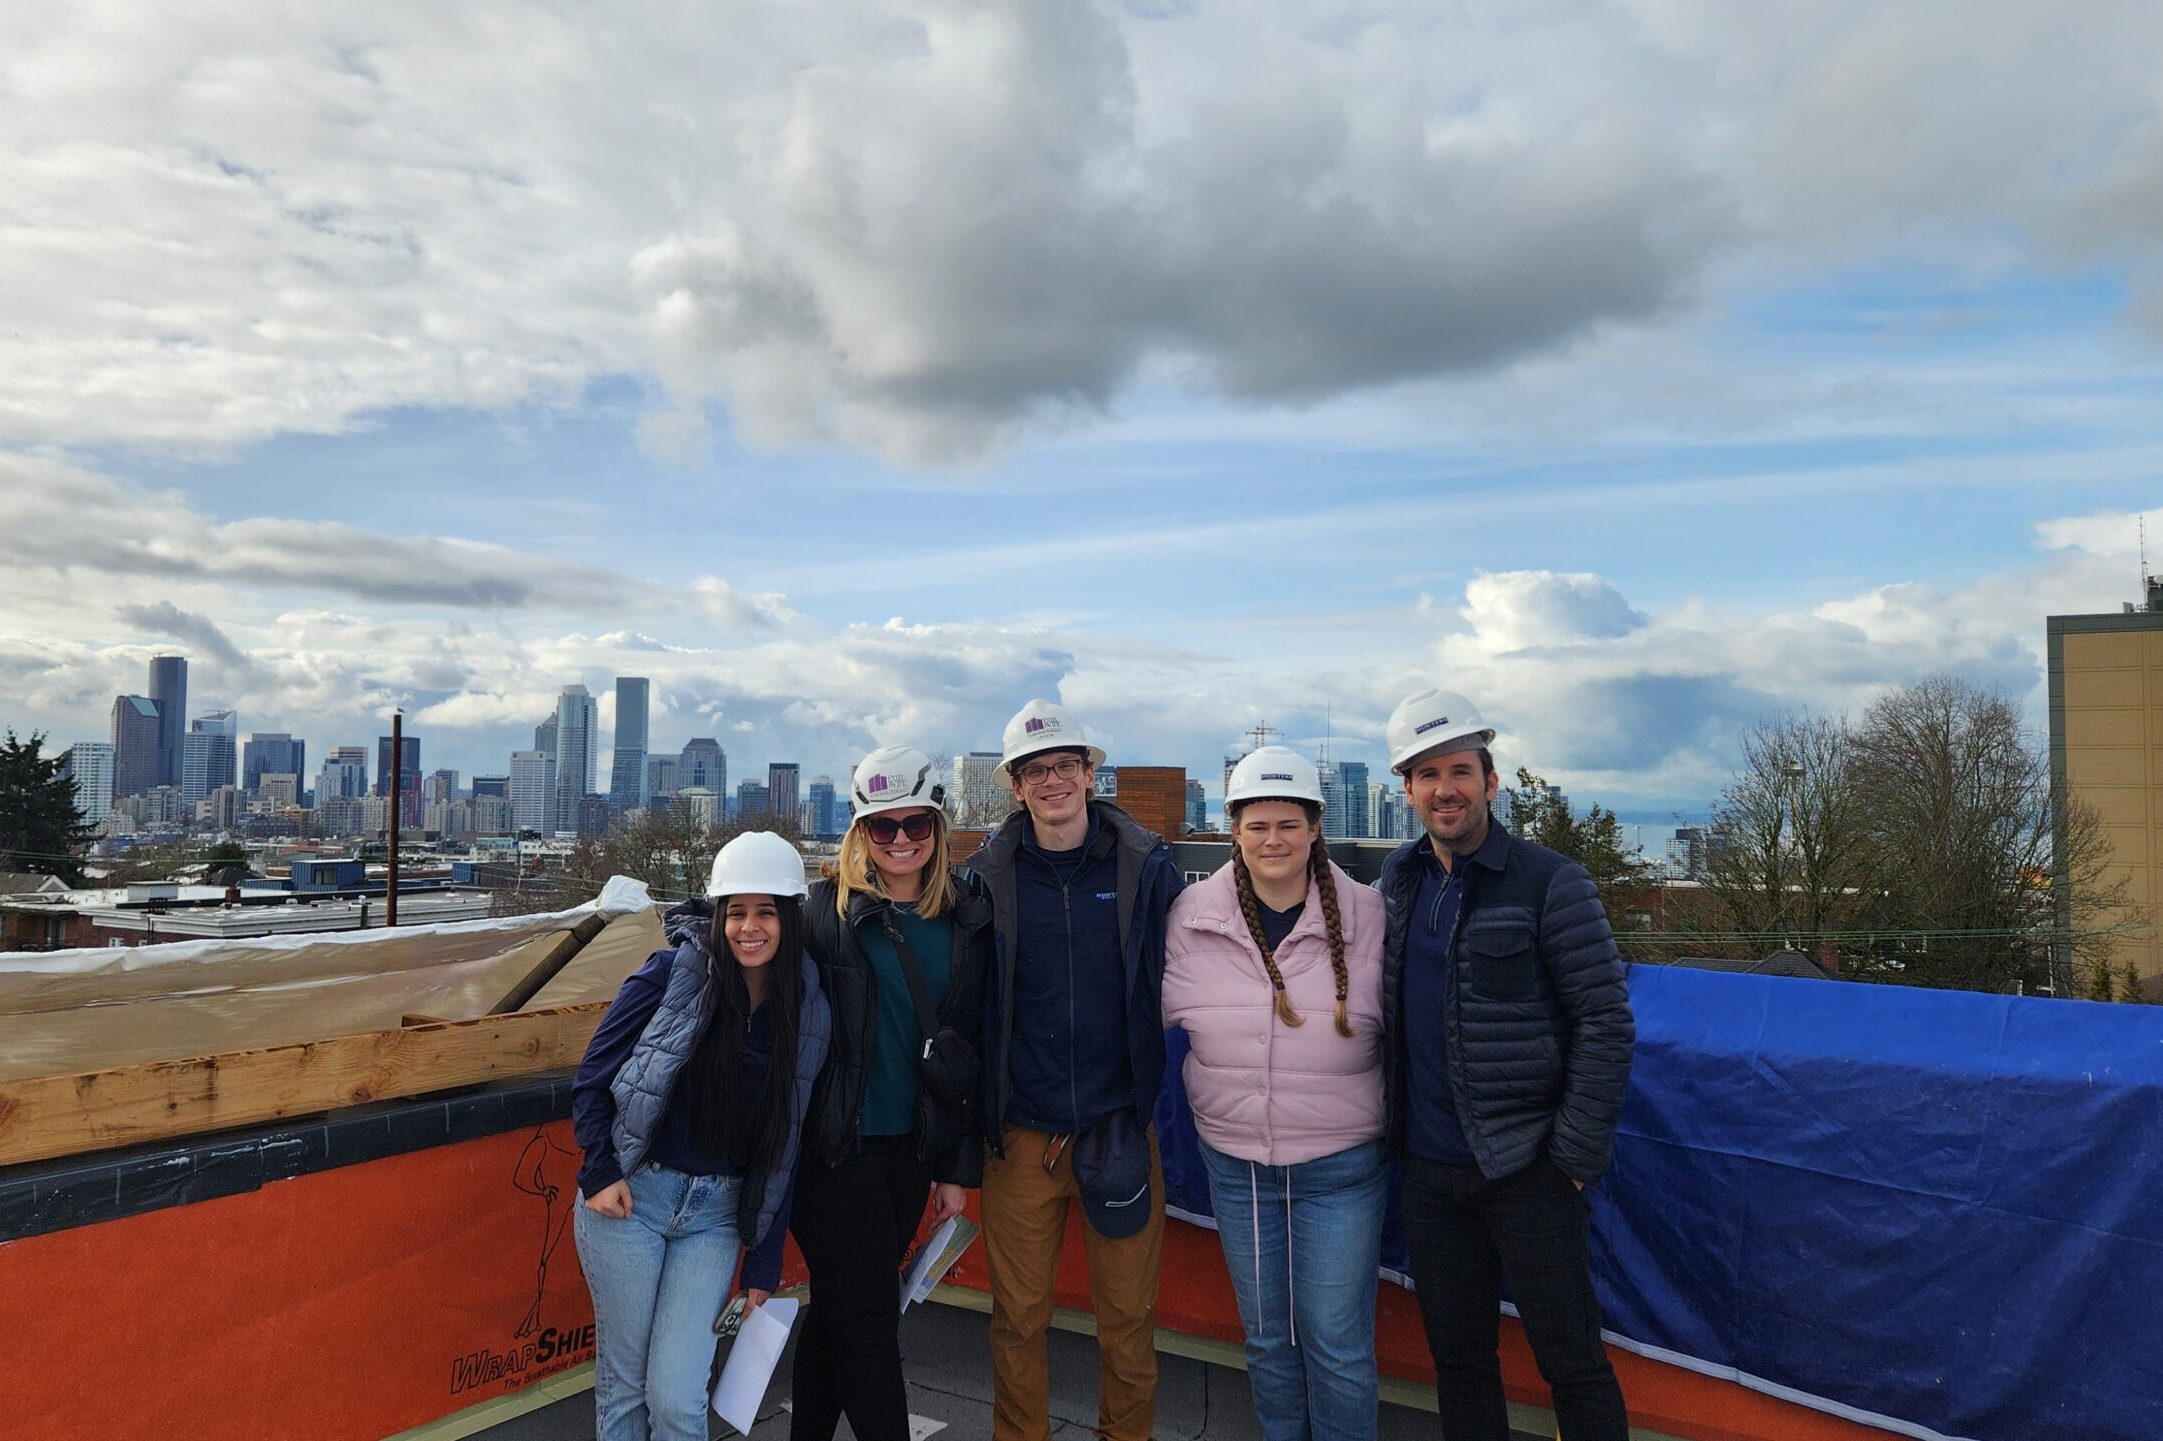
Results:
<point x="2106" y="746"/>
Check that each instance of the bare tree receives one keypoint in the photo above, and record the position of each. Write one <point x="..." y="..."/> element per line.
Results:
<point x="1786" y="861"/>
<point x="670" y="850"/>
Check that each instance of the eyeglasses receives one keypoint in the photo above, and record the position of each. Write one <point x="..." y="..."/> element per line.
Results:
<point x="1065" y="768"/>
<point x="883" y="829"/>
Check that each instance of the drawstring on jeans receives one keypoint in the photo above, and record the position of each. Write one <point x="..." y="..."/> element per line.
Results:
<point x="1254" y="1216"/>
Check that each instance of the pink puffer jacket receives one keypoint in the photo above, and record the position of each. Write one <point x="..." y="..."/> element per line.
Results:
<point x="1261" y="1090"/>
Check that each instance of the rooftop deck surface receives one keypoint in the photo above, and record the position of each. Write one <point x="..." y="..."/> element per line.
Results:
<point x="949" y="1370"/>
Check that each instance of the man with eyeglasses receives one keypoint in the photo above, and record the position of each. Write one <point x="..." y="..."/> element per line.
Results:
<point x="1074" y="1054"/>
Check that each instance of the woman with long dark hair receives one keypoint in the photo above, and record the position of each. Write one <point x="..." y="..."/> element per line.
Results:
<point x="689" y="1108"/>
<point x="904" y="943"/>
<point x="1273" y="967"/>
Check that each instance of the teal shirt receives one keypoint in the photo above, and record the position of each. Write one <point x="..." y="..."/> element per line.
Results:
<point x="890" y="1084"/>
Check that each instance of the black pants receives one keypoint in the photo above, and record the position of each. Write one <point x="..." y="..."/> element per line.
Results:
<point x="1468" y="1235"/>
<point x="853" y="1222"/>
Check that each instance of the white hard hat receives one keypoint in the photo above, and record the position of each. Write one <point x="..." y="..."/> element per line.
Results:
<point x="757" y="863"/>
<point x="1037" y="727"/>
<point x="894" y="777"/>
<point x="1433" y="720"/>
<point x="1274" y="773"/>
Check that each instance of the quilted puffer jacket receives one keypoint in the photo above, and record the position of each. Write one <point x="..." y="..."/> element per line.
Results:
<point x="1537" y="1019"/>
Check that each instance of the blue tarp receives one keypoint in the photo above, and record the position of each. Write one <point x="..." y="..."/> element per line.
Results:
<point x="1935" y="1207"/>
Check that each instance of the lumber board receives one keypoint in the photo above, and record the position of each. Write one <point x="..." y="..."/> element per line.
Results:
<point x="45" y="1116"/>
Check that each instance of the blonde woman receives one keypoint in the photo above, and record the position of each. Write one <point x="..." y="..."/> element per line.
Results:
<point x="903" y="945"/>
<point x="1273" y="967"/>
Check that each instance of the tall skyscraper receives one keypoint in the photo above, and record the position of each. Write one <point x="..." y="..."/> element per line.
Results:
<point x="272" y="751"/>
<point x="206" y="757"/>
<point x="627" y="772"/>
<point x="1197" y="807"/>
<point x="1344" y="799"/>
<point x="496" y="786"/>
<point x="533" y="791"/>
<point x="90" y="766"/>
<point x="823" y="815"/>
<point x="751" y="800"/>
<point x="441" y="788"/>
<point x="703" y="763"/>
<point x="136" y="757"/>
<point x="169" y="692"/>
<point x="544" y="736"/>
<point x="575" y="753"/>
<point x="781" y="778"/>
<point x="409" y="778"/>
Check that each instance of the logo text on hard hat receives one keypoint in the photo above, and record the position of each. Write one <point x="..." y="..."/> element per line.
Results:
<point x="875" y="784"/>
<point x="1033" y="725"/>
<point x="1422" y="729"/>
<point x="1275" y="776"/>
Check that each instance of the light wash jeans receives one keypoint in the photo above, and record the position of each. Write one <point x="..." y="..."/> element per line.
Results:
<point x="659" y="1277"/>
<point x="1306" y="1294"/>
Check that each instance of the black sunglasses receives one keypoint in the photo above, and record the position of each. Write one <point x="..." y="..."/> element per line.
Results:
<point x="883" y="829"/>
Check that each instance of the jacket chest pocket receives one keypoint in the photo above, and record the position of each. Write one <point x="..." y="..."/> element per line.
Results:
<point x="1502" y="965"/>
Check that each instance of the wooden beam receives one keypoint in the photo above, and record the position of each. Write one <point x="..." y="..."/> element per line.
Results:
<point x="559" y="955"/>
<point x="43" y="1116"/>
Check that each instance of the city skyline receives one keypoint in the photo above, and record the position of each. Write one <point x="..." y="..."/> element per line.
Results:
<point x="1583" y="362"/>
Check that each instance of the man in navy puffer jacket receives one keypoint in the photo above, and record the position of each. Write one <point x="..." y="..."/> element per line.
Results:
<point x="1509" y="1040"/>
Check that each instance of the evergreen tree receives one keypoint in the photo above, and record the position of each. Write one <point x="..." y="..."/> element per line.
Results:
<point x="41" y="831"/>
<point x="1593" y="840"/>
<point x="2132" y="990"/>
<point x="2105" y="987"/>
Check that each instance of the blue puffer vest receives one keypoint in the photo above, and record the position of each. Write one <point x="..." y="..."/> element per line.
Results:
<point x="642" y="1086"/>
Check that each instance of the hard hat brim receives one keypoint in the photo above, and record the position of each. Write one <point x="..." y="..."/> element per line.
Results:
<point x="1003" y="773"/>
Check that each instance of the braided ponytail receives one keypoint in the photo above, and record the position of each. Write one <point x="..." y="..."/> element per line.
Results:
<point x="1248" y="907"/>
<point x="1325" y="885"/>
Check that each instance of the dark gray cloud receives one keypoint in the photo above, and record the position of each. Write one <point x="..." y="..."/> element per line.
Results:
<point x="163" y="618"/>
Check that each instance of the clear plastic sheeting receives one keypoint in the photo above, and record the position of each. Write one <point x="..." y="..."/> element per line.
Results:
<point x="63" y="1012"/>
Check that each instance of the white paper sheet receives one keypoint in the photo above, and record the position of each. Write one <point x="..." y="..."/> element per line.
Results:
<point x="759" y="1342"/>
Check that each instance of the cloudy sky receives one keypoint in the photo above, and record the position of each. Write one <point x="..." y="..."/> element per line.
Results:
<point x="858" y="371"/>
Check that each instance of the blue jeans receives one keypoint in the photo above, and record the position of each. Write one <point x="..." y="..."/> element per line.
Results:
<point x="659" y="1277"/>
<point x="1307" y="1305"/>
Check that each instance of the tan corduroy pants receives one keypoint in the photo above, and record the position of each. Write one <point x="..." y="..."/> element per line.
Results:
<point x="1024" y="1206"/>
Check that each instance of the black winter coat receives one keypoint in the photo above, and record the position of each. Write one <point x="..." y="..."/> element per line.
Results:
<point x="956" y="1152"/>
<point x="1537" y="1018"/>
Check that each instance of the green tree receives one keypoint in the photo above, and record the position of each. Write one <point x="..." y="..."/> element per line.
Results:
<point x="1593" y="840"/>
<point x="2105" y="985"/>
<point x="2131" y="990"/>
<point x="41" y="830"/>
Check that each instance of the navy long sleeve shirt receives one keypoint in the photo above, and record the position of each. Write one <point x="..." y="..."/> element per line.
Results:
<point x="1432" y="1129"/>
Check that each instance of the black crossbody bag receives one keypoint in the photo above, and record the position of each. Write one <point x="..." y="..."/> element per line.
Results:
<point x="946" y="1063"/>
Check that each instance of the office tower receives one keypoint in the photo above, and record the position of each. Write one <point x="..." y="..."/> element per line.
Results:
<point x="441" y="788"/>
<point x="1344" y="799"/>
<point x="576" y="713"/>
<point x="703" y="805"/>
<point x="135" y="745"/>
<point x="206" y="756"/>
<point x="90" y="766"/>
<point x="1197" y="807"/>
<point x="409" y="768"/>
<point x="533" y="791"/>
<point x="627" y="772"/>
<point x="781" y="796"/>
<point x="169" y="693"/>
<point x="660" y="779"/>
<point x="978" y="799"/>
<point x="344" y="777"/>
<point x="544" y="736"/>
<point x="497" y="786"/>
<point x="271" y="751"/>
<point x="820" y="810"/>
<point x="751" y="800"/>
<point x="1107" y="786"/>
<point x="278" y="789"/>
<point x="703" y="763"/>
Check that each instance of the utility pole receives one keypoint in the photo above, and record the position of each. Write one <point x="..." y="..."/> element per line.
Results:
<point x="398" y="775"/>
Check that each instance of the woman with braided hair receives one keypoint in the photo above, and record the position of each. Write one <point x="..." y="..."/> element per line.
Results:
<point x="1273" y="967"/>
